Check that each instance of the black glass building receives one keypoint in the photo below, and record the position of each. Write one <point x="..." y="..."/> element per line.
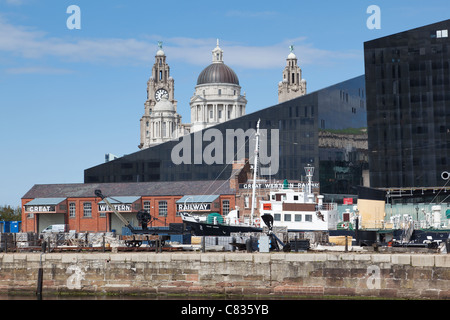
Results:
<point x="310" y="128"/>
<point x="408" y="107"/>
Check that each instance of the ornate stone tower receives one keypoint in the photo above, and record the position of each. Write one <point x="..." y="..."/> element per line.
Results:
<point x="293" y="85"/>
<point x="160" y="85"/>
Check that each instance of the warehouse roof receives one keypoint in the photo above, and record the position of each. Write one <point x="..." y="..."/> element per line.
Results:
<point x="163" y="188"/>
<point x="45" y="201"/>
<point x="195" y="199"/>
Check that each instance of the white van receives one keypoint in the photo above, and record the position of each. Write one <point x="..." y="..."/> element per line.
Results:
<point x="55" y="228"/>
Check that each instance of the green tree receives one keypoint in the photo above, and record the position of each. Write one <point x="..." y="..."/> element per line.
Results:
<point x="7" y="213"/>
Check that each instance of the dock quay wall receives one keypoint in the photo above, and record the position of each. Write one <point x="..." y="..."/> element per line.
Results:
<point x="412" y="276"/>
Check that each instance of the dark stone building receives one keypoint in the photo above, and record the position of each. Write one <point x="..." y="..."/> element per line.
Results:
<point x="408" y="107"/>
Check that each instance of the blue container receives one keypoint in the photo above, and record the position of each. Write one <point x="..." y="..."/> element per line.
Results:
<point x="15" y="226"/>
<point x="6" y="226"/>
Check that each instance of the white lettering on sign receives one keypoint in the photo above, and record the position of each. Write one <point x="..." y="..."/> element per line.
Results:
<point x="40" y="208"/>
<point x="194" y="207"/>
<point x="276" y="185"/>
<point x="118" y="207"/>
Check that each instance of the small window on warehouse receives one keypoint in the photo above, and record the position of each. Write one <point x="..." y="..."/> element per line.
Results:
<point x="147" y="206"/>
<point x="225" y="207"/>
<point x="162" y="205"/>
<point x="72" y="210"/>
<point x="87" y="210"/>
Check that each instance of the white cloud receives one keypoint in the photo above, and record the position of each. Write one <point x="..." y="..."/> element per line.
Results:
<point x="34" y="44"/>
<point x="38" y="70"/>
<point x="255" y="57"/>
<point x="15" y="2"/>
<point x="251" y="14"/>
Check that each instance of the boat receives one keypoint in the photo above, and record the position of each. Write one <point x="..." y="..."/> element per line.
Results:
<point x="428" y="231"/>
<point x="215" y="225"/>
<point x="399" y="230"/>
<point x="218" y="226"/>
<point x="300" y="209"/>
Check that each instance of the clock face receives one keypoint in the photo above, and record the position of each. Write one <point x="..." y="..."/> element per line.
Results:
<point x="160" y="93"/>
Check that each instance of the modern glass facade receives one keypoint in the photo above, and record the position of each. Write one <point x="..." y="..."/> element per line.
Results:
<point x="408" y="107"/>
<point x="342" y="121"/>
<point x="292" y="129"/>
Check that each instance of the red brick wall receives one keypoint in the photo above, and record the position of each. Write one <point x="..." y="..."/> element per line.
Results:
<point x="171" y="210"/>
<point x="95" y="223"/>
<point x="28" y="225"/>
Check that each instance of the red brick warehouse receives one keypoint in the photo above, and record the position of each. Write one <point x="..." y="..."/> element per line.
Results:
<point x="76" y="205"/>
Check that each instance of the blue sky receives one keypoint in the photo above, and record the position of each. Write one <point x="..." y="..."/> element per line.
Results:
<point x="67" y="97"/>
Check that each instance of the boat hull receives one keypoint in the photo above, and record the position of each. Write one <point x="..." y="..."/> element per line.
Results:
<point x="422" y="235"/>
<point x="206" y="229"/>
<point x="418" y="236"/>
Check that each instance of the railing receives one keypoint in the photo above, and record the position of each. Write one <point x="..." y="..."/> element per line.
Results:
<point x="378" y="224"/>
<point x="327" y="206"/>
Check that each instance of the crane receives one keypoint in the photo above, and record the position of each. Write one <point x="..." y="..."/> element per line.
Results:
<point x="144" y="218"/>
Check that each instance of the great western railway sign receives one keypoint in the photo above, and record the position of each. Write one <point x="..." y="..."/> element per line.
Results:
<point x="299" y="185"/>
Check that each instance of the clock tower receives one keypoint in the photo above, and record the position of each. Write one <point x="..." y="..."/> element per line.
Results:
<point x="293" y="85"/>
<point x="159" y="86"/>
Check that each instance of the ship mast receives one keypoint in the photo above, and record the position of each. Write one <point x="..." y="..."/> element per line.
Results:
<point x="255" y="170"/>
<point x="309" y="174"/>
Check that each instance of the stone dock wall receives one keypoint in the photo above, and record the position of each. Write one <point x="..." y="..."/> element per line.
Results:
<point x="413" y="276"/>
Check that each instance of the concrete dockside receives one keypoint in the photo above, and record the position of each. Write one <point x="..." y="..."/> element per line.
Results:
<point x="403" y="275"/>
